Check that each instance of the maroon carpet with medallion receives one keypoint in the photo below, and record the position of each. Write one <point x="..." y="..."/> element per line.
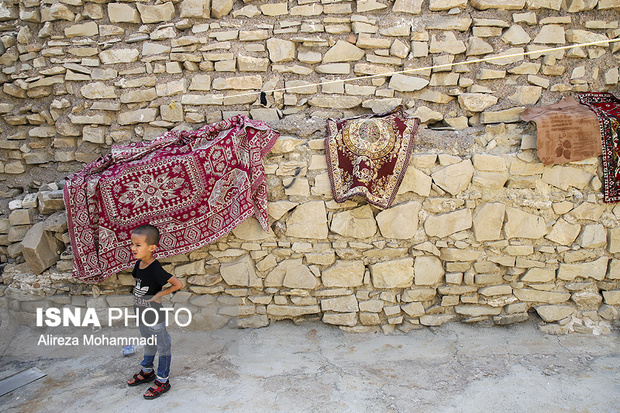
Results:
<point x="368" y="155"/>
<point x="607" y="109"/>
<point x="195" y="186"/>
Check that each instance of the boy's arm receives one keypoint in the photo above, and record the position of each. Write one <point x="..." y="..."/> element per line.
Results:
<point x="176" y="285"/>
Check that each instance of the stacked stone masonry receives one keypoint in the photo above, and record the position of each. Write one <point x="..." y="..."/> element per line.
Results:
<point x="481" y="231"/>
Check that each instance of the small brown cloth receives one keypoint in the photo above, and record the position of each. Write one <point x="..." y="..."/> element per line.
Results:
<point x="567" y="131"/>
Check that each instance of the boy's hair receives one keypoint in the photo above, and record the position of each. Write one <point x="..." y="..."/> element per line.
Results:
<point x="150" y="231"/>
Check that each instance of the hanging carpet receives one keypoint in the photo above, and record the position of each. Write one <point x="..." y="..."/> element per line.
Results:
<point x="194" y="186"/>
<point x="607" y="109"/>
<point x="567" y="131"/>
<point x="368" y="155"/>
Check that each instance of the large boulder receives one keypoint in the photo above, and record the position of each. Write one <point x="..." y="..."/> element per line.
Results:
<point x="41" y="248"/>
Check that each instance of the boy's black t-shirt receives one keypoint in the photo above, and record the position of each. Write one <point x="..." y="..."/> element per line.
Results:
<point x="149" y="282"/>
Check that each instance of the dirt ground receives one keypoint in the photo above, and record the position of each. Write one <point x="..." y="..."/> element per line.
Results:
<point x="313" y="367"/>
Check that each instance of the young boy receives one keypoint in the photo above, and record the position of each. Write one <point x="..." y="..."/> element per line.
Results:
<point x="150" y="278"/>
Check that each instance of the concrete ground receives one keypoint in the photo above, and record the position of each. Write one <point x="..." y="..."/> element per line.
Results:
<point x="313" y="367"/>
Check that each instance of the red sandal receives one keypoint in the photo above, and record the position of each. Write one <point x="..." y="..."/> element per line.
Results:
<point x="146" y="377"/>
<point x="157" y="390"/>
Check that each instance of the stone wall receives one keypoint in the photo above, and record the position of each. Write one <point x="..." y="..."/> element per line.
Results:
<point x="481" y="231"/>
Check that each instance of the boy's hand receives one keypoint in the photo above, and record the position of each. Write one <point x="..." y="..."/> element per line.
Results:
<point x="156" y="298"/>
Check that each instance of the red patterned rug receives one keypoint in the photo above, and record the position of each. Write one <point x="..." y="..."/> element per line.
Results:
<point x="607" y="109"/>
<point x="195" y="186"/>
<point x="368" y="155"/>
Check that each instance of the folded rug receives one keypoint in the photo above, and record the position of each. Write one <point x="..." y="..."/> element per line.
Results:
<point x="194" y="186"/>
<point x="607" y="109"/>
<point x="368" y="155"/>
<point x="567" y="131"/>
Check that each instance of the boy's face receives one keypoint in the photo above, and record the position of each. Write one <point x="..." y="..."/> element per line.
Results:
<point x="139" y="247"/>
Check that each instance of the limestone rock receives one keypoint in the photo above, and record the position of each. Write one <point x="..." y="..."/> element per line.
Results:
<point x="240" y="272"/>
<point x="115" y="56"/>
<point x="8" y="12"/>
<point x="564" y="176"/>
<point x="526" y="95"/>
<point x="436" y="320"/>
<point x="539" y="275"/>
<point x="460" y="24"/>
<point x="614" y="240"/>
<point x="196" y="8"/>
<point x="502" y="116"/>
<point x="584" y="36"/>
<point x="279" y="208"/>
<point x="587" y="300"/>
<point x="251" y="230"/>
<point x="392" y="274"/>
<point x="612" y="297"/>
<point x="57" y="222"/>
<point x="291" y="273"/>
<point x="563" y="232"/>
<point x="288" y="311"/>
<point x="544" y="4"/>
<point x="57" y="11"/>
<point x="344" y="273"/>
<point x="137" y="116"/>
<point x="344" y="304"/>
<point x="444" y="225"/>
<point x="439" y="5"/>
<point x="280" y="50"/>
<point x="428" y="270"/>
<point x="238" y="82"/>
<point x="415" y="181"/>
<point x="356" y="223"/>
<point x="426" y="114"/>
<point x="404" y="83"/>
<point x="340" y="319"/>
<point x="50" y="201"/>
<point x="307" y="10"/>
<point x="450" y="44"/>
<point x="594" y="269"/>
<point x="308" y="220"/>
<point x="592" y="236"/>
<point x="454" y="178"/>
<point x="22" y="216"/>
<point x="172" y="112"/>
<point x="40" y="248"/>
<point x="476" y="47"/>
<point x="332" y="102"/>
<point x="496" y="290"/>
<point x="82" y="30"/>
<point x="193" y="268"/>
<point x="413" y="309"/>
<point x="156" y="13"/>
<point x="274" y="9"/>
<point x="343" y="51"/>
<point x="551" y="297"/>
<point x="472" y="310"/>
<point x="516" y="35"/>
<point x="488" y="220"/>
<point x="608" y="4"/>
<point x="551" y="34"/>
<point x="399" y="221"/>
<point x="575" y="6"/>
<point x="551" y="313"/>
<point x="489" y="163"/>
<point x="123" y="13"/>
<point x="498" y="4"/>
<point x="520" y="224"/>
<point x="136" y="96"/>
<point x="408" y="6"/>
<point x="476" y="102"/>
